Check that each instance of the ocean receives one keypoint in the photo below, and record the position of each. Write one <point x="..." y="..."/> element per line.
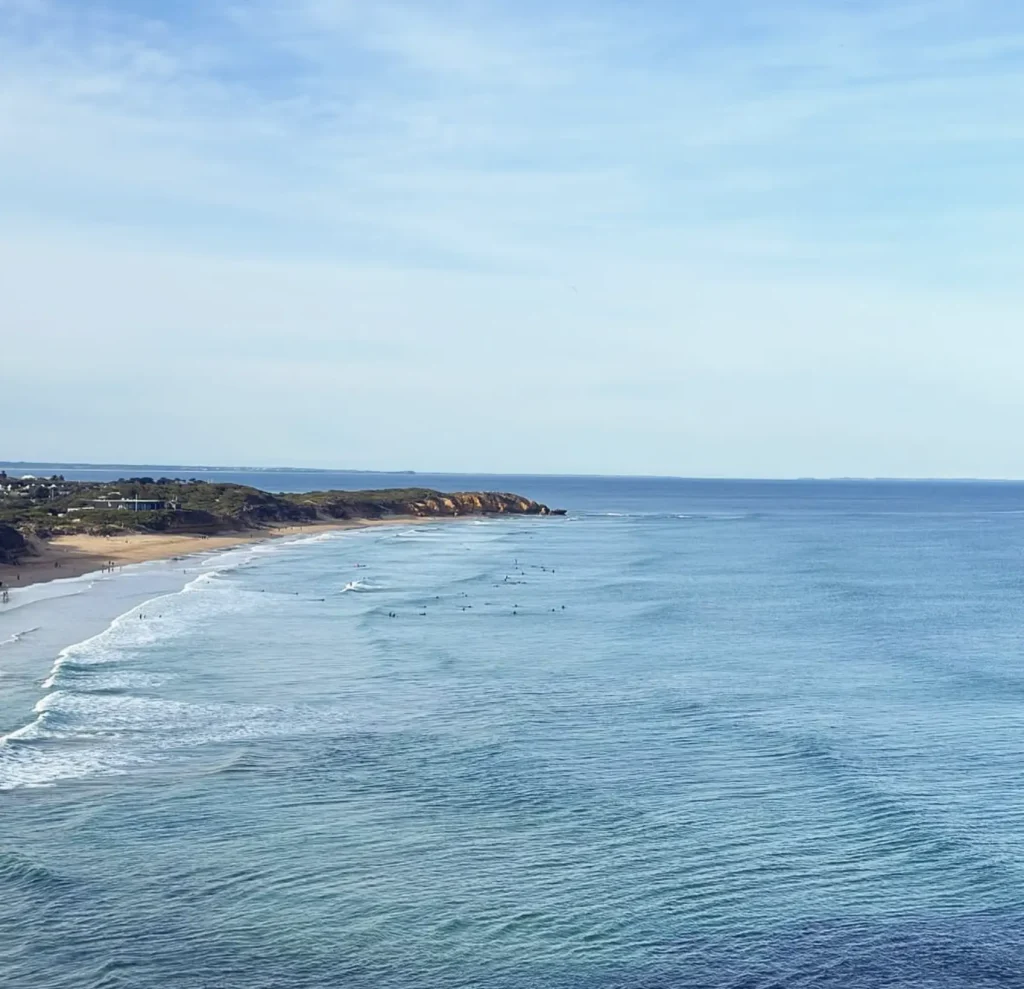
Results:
<point x="694" y="734"/>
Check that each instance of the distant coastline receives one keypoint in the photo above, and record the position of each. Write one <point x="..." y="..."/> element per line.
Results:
<point x="178" y="468"/>
<point x="236" y="469"/>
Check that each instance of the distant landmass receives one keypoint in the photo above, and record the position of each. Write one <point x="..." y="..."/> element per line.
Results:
<point x="45" y="465"/>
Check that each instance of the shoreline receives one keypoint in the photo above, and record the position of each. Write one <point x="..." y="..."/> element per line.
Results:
<point x="51" y="609"/>
<point x="67" y="557"/>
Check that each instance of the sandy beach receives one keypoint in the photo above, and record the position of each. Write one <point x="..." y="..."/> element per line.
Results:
<point x="72" y="556"/>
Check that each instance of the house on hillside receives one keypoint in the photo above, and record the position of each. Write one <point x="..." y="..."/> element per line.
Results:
<point x="133" y="504"/>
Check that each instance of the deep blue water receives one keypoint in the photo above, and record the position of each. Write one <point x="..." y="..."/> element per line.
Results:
<point x="698" y="733"/>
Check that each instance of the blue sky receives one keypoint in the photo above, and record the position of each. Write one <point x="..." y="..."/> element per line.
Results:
<point x="771" y="238"/>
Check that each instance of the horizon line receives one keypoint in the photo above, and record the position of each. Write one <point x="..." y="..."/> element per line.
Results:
<point x="79" y="465"/>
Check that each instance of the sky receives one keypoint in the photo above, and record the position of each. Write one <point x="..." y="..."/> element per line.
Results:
<point x="757" y="238"/>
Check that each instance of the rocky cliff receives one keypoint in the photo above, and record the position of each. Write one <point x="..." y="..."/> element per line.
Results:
<point x="424" y="504"/>
<point x="12" y="544"/>
<point x="478" y="503"/>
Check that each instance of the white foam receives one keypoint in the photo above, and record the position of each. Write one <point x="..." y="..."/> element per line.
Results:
<point x="235" y="557"/>
<point x="112" y="733"/>
<point x="31" y="766"/>
<point x="32" y="730"/>
<point x="204" y="578"/>
<point x="95" y="717"/>
<point x="321" y="537"/>
<point x="156" y="619"/>
<point x="104" y="646"/>
<point x="362" y="586"/>
<point x="121" y="680"/>
<point x="18" y="636"/>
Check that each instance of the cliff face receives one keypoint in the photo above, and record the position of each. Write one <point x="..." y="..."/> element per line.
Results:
<point x="12" y="544"/>
<point x="425" y="504"/>
<point x="477" y="503"/>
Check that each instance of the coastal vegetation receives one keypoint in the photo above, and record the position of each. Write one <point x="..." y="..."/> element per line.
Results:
<point x="37" y="508"/>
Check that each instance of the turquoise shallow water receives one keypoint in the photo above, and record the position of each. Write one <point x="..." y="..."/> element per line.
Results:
<point x="693" y="735"/>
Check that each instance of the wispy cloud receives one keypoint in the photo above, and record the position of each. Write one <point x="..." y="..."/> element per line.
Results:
<point x="707" y="188"/>
<point x="341" y="113"/>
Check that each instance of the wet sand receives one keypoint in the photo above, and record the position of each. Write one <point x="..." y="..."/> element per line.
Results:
<point x="72" y="556"/>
